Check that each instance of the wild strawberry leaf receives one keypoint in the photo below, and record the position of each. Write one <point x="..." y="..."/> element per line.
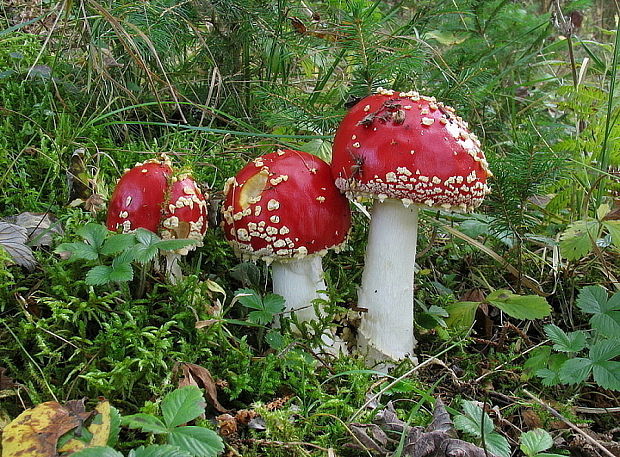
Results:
<point x="565" y="342"/>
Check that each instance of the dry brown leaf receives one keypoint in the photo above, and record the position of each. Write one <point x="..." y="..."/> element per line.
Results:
<point x="195" y="375"/>
<point x="13" y="239"/>
<point x="531" y="419"/>
<point x="5" y="381"/>
<point x="227" y="425"/>
<point x="40" y="227"/>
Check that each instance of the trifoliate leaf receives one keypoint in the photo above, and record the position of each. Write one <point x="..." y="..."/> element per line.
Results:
<point x="146" y="237"/>
<point x="144" y="253"/>
<point x="145" y="422"/>
<point x="198" y="441"/>
<point x="158" y="450"/>
<point x="118" y="243"/>
<point x="549" y="377"/>
<point x="98" y="275"/>
<point x="171" y="245"/>
<point x="182" y="405"/>
<point x="535" y="441"/>
<point x="605" y="350"/>
<point x="473" y="420"/>
<point x="122" y="272"/>
<point x="575" y="371"/>
<point x="565" y="342"/>
<point x="249" y="298"/>
<point x="497" y="444"/>
<point x="78" y="250"/>
<point x="607" y="374"/>
<point x="94" y="234"/>
<point x="592" y="299"/>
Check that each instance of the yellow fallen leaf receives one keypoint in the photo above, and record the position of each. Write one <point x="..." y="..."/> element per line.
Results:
<point x="99" y="427"/>
<point x="35" y="432"/>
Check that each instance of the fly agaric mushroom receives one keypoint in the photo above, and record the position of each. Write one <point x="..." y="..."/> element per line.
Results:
<point x="283" y="208"/>
<point x="138" y="199"/>
<point x="402" y="150"/>
<point x="150" y="196"/>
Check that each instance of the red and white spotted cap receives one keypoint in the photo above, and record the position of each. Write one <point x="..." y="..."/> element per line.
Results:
<point x="406" y="146"/>
<point x="137" y="200"/>
<point x="185" y="215"/>
<point x="284" y="205"/>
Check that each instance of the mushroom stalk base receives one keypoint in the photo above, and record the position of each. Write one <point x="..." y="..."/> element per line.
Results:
<point x="298" y="281"/>
<point x="386" y="331"/>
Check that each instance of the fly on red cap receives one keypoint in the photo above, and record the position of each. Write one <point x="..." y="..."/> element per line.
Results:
<point x="138" y="199"/>
<point x="284" y="205"/>
<point x="185" y="215"/>
<point x="410" y="147"/>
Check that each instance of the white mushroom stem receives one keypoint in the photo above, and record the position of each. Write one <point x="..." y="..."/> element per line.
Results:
<point x="387" y="282"/>
<point x="298" y="281"/>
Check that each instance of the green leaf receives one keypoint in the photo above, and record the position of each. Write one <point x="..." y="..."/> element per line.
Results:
<point x="575" y="371"/>
<point x="497" y="444"/>
<point x="115" y="426"/>
<point x="158" y="450"/>
<point x="171" y="245"/>
<point x="78" y="250"/>
<point x="535" y="441"/>
<point x="576" y="240"/>
<point x="97" y="451"/>
<point x="273" y="303"/>
<point x="182" y="405"/>
<point x="605" y="350"/>
<point x="198" y="441"/>
<point x="249" y="298"/>
<point x="123" y="257"/>
<point x="146" y="237"/>
<point x="571" y="342"/>
<point x="461" y="315"/>
<point x="607" y="324"/>
<point x="607" y="374"/>
<point x="473" y="420"/>
<point x="121" y="273"/>
<point x="145" y="422"/>
<point x="144" y="253"/>
<point x="549" y="377"/>
<point x="118" y="243"/>
<point x="592" y="299"/>
<point x="606" y="313"/>
<point x="98" y="275"/>
<point x="520" y="306"/>
<point x="94" y="234"/>
<point x="613" y="227"/>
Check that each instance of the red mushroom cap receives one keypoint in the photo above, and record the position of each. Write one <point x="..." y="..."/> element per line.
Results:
<point x="139" y="196"/>
<point x="285" y="205"/>
<point x="410" y="147"/>
<point x="185" y="215"/>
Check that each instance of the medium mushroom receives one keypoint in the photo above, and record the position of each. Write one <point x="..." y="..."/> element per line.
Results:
<point x="403" y="150"/>
<point x="283" y="208"/>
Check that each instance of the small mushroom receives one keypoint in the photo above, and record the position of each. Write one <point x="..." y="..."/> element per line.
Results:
<point x="139" y="195"/>
<point x="403" y="150"/>
<point x="151" y="196"/>
<point x="283" y="208"/>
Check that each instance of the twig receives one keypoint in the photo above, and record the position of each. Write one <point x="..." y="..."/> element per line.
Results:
<point x="260" y="442"/>
<point x="585" y="410"/>
<point x="573" y="427"/>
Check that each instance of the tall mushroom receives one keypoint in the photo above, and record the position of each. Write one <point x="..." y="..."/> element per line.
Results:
<point x="403" y="150"/>
<point x="283" y="208"/>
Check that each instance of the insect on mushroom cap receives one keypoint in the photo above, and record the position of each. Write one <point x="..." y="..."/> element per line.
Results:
<point x="406" y="146"/>
<point x="284" y="205"/>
